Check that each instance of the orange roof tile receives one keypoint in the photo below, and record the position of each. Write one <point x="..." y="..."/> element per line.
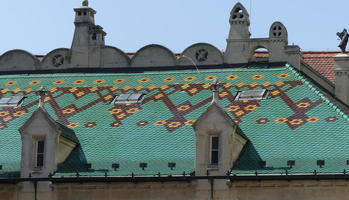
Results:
<point x="321" y="61"/>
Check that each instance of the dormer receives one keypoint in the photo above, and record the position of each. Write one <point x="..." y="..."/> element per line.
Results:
<point x="45" y="144"/>
<point x="218" y="140"/>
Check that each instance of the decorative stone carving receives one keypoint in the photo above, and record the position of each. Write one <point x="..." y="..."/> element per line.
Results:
<point x="238" y="13"/>
<point x="58" y="60"/>
<point x="278" y="31"/>
<point x="85" y="3"/>
<point x="201" y="55"/>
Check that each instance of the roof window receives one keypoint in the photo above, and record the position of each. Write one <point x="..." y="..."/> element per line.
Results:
<point x="252" y="95"/>
<point x="128" y="98"/>
<point x="11" y="101"/>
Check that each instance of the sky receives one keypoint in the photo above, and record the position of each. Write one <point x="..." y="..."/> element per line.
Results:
<point x="39" y="26"/>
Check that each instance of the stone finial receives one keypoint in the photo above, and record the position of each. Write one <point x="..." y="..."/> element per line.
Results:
<point x="41" y="93"/>
<point x="85" y="3"/>
<point x="214" y="88"/>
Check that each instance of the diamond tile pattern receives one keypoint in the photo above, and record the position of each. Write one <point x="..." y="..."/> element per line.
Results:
<point x="295" y="122"/>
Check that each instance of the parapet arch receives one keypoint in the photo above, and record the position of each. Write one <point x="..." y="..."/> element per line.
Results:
<point x="18" y="60"/>
<point x="56" y="59"/>
<point x="154" y="55"/>
<point x="256" y="46"/>
<point x="112" y="57"/>
<point x="201" y="54"/>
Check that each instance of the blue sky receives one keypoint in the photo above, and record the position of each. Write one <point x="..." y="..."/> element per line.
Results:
<point x="40" y="26"/>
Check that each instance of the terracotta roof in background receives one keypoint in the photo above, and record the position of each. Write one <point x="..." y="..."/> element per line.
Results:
<point x="321" y="61"/>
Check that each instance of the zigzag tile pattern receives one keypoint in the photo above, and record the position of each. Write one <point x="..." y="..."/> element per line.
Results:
<point x="158" y="130"/>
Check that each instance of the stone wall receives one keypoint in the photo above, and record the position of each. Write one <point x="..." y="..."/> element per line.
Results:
<point x="241" y="190"/>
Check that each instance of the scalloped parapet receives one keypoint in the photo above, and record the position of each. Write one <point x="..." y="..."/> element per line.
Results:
<point x="201" y="54"/>
<point x="18" y="60"/>
<point x="154" y="56"/>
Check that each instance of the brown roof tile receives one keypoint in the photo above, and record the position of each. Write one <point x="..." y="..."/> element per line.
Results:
<point x="321" y="61"/>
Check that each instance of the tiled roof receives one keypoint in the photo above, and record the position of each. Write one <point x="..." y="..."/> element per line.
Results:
<point x="320" y="61"/>
<point x="68" y="133"/>
<point x="295" y="122"/>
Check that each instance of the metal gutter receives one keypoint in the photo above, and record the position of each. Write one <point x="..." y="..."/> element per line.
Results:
<point x="107" y="179"/>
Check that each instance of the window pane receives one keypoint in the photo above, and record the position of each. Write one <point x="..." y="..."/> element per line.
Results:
<point x="214" y="150"/>
<point x="40" y="160"/>
<point x="41" y="145"/>
<point x="4" y="100"/>
<point x="214" y="157"/>
<point x="214" y="144"/>
<point x="257" y="94"/>
<point x="134" y="97"/>
<point x="123" y="97"/>
<point x="252" y="94"/>
<point x="15" y="100"/>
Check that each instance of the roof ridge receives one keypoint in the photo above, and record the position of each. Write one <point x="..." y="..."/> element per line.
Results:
<point x="313" y="88"/>
<point x="144" y="73"/>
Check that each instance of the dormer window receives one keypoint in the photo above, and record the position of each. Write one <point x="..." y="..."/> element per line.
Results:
<point x="214" y="154"/>
<point x="39" y="153"/>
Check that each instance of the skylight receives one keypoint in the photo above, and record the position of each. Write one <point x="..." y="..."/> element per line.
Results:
<point x="258" y="94"/>
<point x="128" y="98"/>
<point x="11" y="101"/>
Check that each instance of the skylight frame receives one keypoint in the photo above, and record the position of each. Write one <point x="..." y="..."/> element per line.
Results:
<point x="240" y="95"/>
<point x="14" y="101"/>
<point x="128" y="98"/>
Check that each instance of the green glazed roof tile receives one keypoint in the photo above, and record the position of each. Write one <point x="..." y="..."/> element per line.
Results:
<point x="296" y="122"/>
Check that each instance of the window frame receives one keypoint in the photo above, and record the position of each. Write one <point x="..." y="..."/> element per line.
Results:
<point x="36" y="155"/>
<point x="263" y="97"/>
<point x="115" y="100"/>
<point x="217" y="150"/>
<point x="9" y="103"/>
